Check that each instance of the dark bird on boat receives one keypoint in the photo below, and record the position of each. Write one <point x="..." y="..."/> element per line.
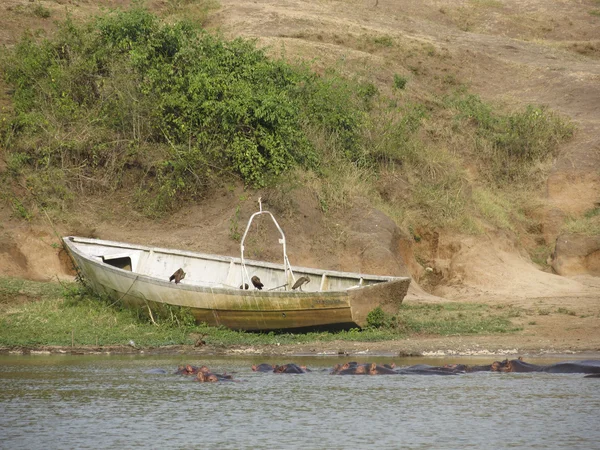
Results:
<point x="244" y="286"/>
<point x="300" y="282"/>
<point x="177" y="276"/>
<point x="256" y="282"/>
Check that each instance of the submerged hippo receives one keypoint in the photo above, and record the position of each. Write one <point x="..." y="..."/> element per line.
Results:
<point x="284" y="368"/>
<point x="424" y="369"/>
<point x="156" y="371"/>
<point x="376" y="369"/>
<point x="515" y="365"/>
<point x="460" y="368"/>
<point x="186" y="370"/>
<point x="289" y="368"/>
<point x="354" y="368"/>
<point x="518" y="365"/>
<point x="207" y="377"/>
<point x="590" y="366"/>
<point x="348" y="368"/>
<point x="264" y="367"/>
<point x="202" y="374"/>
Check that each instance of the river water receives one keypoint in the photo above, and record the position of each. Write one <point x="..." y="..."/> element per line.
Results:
<point x="97" y="402"/>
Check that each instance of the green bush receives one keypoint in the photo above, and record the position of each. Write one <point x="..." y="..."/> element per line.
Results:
<point x="400" y="81"/>
<point x="378" y="318"/>
<point x="41" y="11"/>
<point x="92" y="100"/>
<point x="511" y="145"/>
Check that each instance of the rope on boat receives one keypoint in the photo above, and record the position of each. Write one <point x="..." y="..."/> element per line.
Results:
<point x="126" y="292"/>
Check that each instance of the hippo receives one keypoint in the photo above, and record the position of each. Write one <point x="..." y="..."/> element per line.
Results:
<point x="207" y="377"/>
<point x="289" y="368"/>
<point x="376" y="369"/>
<point x="515" y="365"/>
<point x="156" y="371"/>
<point x="353" y="368"/>
<point x="424" y="369"/>
<point x="344" y="369"/>
<point x="465" y="368"/>
<point x="190" y="370"/>
<point x="264" y="367"/>
<point x="187" y="370"/>
<point x="518" y="365"/>
<point x="202" y="374"/>
<point x="590" y="366"/>
<point x="478" y="368"/>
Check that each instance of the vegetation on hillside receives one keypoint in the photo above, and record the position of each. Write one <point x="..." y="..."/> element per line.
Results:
<point x="167" y="111"/>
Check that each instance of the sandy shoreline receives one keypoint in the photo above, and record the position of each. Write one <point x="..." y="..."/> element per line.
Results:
<point x="428" y="347"/>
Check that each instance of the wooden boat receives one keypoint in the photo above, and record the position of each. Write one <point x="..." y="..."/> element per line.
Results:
<point x="211" y="289"/>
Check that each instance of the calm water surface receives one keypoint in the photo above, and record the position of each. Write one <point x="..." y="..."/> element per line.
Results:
<point x="109" y="402"/>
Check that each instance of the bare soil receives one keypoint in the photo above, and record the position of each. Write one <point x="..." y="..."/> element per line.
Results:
<point x="510" y="51"/>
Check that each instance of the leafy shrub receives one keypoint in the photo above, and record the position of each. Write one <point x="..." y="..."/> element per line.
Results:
<point x="41" y="11"/>
<point x="512" y="144"/>
<point x="92" y="100"/>
<point x="378" y="318"/>
<point x="400" y="81"/>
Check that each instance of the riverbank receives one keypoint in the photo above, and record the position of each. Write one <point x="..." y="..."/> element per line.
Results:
<point x="49" y="318"/>
<point x="459" y="346"/>
<point x="551" y="334"/>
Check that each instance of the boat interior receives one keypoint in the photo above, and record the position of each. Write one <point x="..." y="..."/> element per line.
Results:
<point x="217" y="271"/>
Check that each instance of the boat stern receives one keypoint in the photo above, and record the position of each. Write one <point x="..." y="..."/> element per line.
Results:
<point x="388" y="296"/>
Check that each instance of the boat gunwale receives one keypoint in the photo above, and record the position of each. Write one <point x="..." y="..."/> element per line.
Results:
<point x="229" y="259"/>
<point x="203" y="288"/>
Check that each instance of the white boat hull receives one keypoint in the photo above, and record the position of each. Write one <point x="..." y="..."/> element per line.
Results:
<point x="139" y="276"/>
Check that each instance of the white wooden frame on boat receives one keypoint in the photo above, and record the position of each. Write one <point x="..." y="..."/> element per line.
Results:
<point x="287" y="267"/>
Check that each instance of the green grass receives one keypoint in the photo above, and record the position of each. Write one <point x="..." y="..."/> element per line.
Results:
<point x="540" y="254"/>
<point x="37" y="314"/>
<point x="41" y="11"/>
<point x="34" y="313"/>
<point x="493" y="207"/>
<point x="36" y="10"/>
<point x="487" y="3"/>
<point x="588" y="224"/>
<point x="566" y="311"/>
<point x="400" y="81"/>
<point x="14" y="291"/>
<point x="457" y="318"/>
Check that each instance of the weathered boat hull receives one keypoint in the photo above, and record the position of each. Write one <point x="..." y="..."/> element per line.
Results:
<point x="106" y="266"/>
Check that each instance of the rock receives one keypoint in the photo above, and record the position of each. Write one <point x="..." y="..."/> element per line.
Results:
<point x="576" y="254"/>
<point x="377" y="241"/>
